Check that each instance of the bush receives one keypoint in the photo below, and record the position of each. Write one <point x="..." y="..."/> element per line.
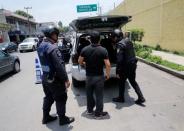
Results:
<point x="176" y="52"/>
<point x="158" y="47"/>
<point x="155" y="59"/>
<point x="172" y="65"/>
<point x="143" y="54"/>
<point x="137" y="34"/>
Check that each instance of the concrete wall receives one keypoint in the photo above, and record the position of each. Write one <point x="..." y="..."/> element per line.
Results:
<point x="162" y="21"/>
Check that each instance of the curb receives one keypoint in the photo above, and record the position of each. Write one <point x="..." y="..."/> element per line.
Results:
<point x="165" y="69"/>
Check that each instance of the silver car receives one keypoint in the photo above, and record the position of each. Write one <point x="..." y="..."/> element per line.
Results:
<point x="8" y="63"/>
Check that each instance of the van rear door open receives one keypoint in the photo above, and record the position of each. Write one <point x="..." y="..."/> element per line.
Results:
<point x="101" y="23"/>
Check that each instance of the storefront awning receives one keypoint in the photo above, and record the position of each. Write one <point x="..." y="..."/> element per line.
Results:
<point x="4" y="26"/>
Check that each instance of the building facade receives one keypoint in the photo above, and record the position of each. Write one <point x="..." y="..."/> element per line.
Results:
<point x="161" y="20"/>
<point x="41" y="26"/>
<point x="4" y="28"/>
<point x="20" y="26"/>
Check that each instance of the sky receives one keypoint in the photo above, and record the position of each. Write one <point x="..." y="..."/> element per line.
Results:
<point x="56" y="10"/>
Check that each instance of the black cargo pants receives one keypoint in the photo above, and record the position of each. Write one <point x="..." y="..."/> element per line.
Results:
<point x="95" y="84"/>
<point x="55" y="91"/>
<point x="130" y="74"/>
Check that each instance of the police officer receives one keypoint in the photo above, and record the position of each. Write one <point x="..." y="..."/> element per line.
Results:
<point x="40" y="39"/>
<point x="55" y="80"/>
<point x="126" y="66"/>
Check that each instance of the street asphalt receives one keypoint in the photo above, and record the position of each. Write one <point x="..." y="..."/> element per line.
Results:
<point x="21" y="103"/>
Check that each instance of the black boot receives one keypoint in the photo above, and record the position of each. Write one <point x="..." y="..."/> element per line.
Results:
<point x="139" y="101"/>
<point x="48" y="118"/>
<point x="66" y="120"/>
<point x="141" y="98"/>
<point x="118" y="99"/>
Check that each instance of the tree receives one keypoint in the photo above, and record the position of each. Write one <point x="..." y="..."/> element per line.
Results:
<point x="60" y="24"/>
<point x="64" y="29"/>
<point x="22" y="13"/>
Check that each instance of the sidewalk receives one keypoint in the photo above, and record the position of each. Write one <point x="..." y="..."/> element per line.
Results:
<point x="169" y="57"/>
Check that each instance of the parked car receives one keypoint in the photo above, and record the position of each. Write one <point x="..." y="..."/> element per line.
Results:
<point x="105" y="25"/>
<point x="8" y="63"/>
<point x="8" y="46"/>
<point x="29" y="44"/>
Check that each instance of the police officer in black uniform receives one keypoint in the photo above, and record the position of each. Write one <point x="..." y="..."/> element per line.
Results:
<point x="55" y="80"/>
<point x="126" y="66"/>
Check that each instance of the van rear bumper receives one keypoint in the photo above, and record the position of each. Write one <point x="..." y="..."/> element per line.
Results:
<point x="79" y="73"/>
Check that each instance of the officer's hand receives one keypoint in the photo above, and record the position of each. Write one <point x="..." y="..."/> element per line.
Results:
<point x="67" y="84"/>
<point x="118" y="76"/>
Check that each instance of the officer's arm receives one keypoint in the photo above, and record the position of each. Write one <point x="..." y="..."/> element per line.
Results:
<point x="107" y="63"/>
<point x="81" y="60"/>
<point x="107" y="67"/>
<point x="81" y="57"/>
<point x="59" y="64"/>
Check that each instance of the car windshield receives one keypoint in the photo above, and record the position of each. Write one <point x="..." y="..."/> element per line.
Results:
<point x="29" y="40"/>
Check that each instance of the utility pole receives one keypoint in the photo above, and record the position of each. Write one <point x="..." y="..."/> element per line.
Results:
<point x="27" y="10"/>
<point x="99" y="9"/>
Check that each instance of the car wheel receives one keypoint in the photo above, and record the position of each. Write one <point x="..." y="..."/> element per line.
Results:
<point x="16" y="67"/>
<point x="75" y="82"/>
<point x="20" y="51"/>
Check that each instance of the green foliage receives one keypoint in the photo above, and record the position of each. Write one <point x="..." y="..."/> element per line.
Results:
<point x="176" y="52"/>
<point x="158" y="47"/>
<point x="22" y="13"/>
<point x="60" y="24"/>
<point x="145" y="53"/>
<point x="64" y="29"/>
<point x="172" y="65"/>
<point x="137" y="34"/>
<point x="142" y="50"/>
<point x="154" y="59"/>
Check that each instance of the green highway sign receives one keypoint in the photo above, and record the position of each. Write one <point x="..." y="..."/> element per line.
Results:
<point x="86" y="8"/>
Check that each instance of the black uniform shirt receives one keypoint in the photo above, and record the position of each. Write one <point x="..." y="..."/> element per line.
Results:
<point x="94" y="56"/>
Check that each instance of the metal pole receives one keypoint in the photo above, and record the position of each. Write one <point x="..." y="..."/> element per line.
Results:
<point x="27" y="9"/>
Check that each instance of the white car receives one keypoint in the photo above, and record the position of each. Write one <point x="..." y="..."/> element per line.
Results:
<point x="28" y="44"/>
<point x="105" y="25"/>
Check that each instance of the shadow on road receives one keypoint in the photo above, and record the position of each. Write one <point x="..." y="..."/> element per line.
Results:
<point x="6" y="76"/>
<point x="110" y="91"/>
<point x="54" y="126"/>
